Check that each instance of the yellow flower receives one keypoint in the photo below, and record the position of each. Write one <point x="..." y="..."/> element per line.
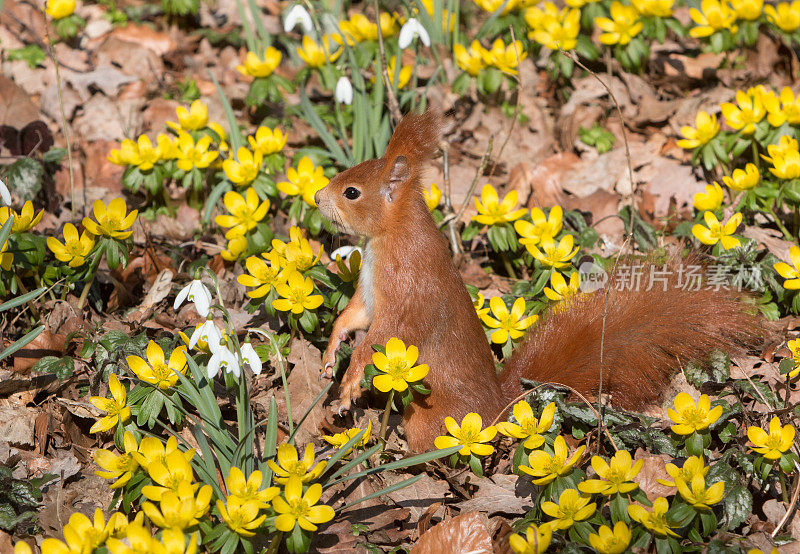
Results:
<point x="654" y="8"/>
<point x="6" y="258"/>
<point x="690" y="417"/>
<point x="220" y="135"/>
<point x="479" y="306"/>
<point x="540" y="228"/>
<point x="139" y="540"/>
<point x="772" y="445"/>
<point x="470" y="60"/>
<point x="470" y="435"/>
<point x="74" y="249"/>
<point x="81" y="534"/>
<point x="404" y="74"/>
<point x="655" y="519"/>
<point x="561" y="291"/>
<point x="340" y="439"/>
<point x="241" y="517"/>
<point x="111" y="221"/>
<point x="492" y="6"/>
<point x="785" y="158"/>
<point x="244" y="169"/>
<point x="245" y="212"/>
<point x="748" y="10"/>
<point x="784" y="108"/>
<point x="615" y="477"/>
<point x="552" y="254"/>
<point x="193" y="119"/>
<point x="261" y="276"/>
<point x="706" y="128"/>
<point x="554" y="31"/>
<point x="263" y="66"/>
<point x="175" y="543"/>
<point x="535" y="15"/>
<point x="432" y="196"/>
<point x="304" y="181"/>
<point x="794" y="347"/>
<point x="715" y="231"/>
<point x="527" y="426"/>
<point x="571" y="507"/>
<point x="179" y="509"/>
<point x="22" y="547"/>
<point x="119" y="467"/>
<point x="695" y="492"/>
<point x="168" y="475"/>
<point x="296" y="253"/>
<point x="125" y="155"/>
<point x="268" y="141"/>
<point x="507" y="324"/>
<point x="167" y="146"/>
<point x="315" y="55"/>
<point x="546" y="467"/>
<point x="152" y="450"/>
<point x="295" y="507"/>
<point x="296" y="294"/>
<point x="249" y="490"/>
<point x="116" y="407"/>
<point x="606" y="541"/>
<point x="623" y="25"/>
<point x="694" y="465"/>
<point x="191" y="154"/>
<point x="710" y="200"/>
<point x="744" y="117"/>
<point x="156" y="370"/>
<point x="59" y="9"/>
<point x="349" y="269"/>
<point x="358" y="28"/>
<point x="505" y="58"/>
<point x="397" y="366"/>
<point x="784" y="15"/>
<point x="145" y="155"/>
<point x="492" y="211"/>
<point x="536" y="541"/>
<point x="743" y="179"/>
<point x="289" y="464"/>
<point x="236" y="247"/>
<point x="716" y="15"/>
<point x="23" y="221"/>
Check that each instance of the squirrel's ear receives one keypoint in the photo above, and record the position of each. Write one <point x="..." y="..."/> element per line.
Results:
<point x="399" y="174"/>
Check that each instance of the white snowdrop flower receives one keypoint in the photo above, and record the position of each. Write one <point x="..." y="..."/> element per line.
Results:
<point x="346" y="251"/>
<point x="196" y="293"/>
<point x="223" y="358"/>
<point x="250" y="357"/>
<point x="298" y="14"/>
<point x="209" y="333"/>
<point x="5" y="195"/>
<point x="344" y="91"/>
<point x="411" y="29"/>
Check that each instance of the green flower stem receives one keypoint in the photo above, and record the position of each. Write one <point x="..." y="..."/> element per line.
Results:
<point x="755" y="150"/>
<point x="784" y="496"/>
<point x="91" y="275"/>
<point x="275" y="543"/>
<point x="385" y="418"/>
<point x="508" y="266"/>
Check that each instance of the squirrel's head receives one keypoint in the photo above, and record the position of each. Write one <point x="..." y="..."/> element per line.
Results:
<point x="366" y="198"/>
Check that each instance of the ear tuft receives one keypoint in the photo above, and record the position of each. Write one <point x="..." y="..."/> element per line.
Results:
<point x="416" y="137"/>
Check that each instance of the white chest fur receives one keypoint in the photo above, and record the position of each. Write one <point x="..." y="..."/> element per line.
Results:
<point x="365" y="277"/>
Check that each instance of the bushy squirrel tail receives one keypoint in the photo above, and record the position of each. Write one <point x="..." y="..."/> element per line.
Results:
<point x="648" y="334"/>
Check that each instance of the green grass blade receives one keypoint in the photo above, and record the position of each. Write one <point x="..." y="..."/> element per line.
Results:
<point x="22" y="342"/>
<point x="14" y="302"/>
<point x="387" y="490"/>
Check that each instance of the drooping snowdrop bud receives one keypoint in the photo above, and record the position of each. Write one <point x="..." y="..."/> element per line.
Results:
<point x="413" y="28"/>
<point x="223" y="358"/>
<point x="298" y="14"/>
<point x="5" y="195"/>
<point x="209" y="333"/>
<point x="196" y="293"/>
<point x="250" y="357"/>
<point x="344" y="91"/>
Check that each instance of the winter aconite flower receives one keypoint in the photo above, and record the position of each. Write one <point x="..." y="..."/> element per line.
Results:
<point x="606" y="541"/>
<point x="571" y="507"/>
<point x="116" y="407"/>
<point x="260" y="66"/>
<point x="785" y="158"/>
<point x="470" y="435"/>
<point x="156" y="370"/>
<point x="536" y="541"/>
<point x="554" y="254"/>
<point x="492" y="6"/>
<point x="152" y="450"/>
<point x="744" y="115"/>
<point x="507" y="324"/>
<point x="711" y="199"/>
<point x="706" y="128"/>
<point x="784" y="15"/>
<point x="504" y="57"/>
<point x="540" y="228"/>
<point x="59" y="9"/>
<point x="654" y="519"/>
<point x="694" y="465"/>
<point x="296" y="508"/>
<point x="304" y="181"/>
<point x="24" y="221"/>
<point x="316" y="55"/>
<point x="715" y="232"/>
<point x="111" y="221"/>
<point x="359" y="29"/>
<point x="81" y="535"/>
<point x="167" y="475"/>
<point x="654" y="8"/>
<point x="772" y="445"/>
<point x="547" y="467"/>
<point x="623" y="25"/>
<point x="698" y="495"/>
<point x="397" y="366"/>
<point x="193" y="154"/>
<point x="296" y="294"/>
<point x="244" y="169"/>
<point x="713" y="16"/>
<point x="261" y="275"/>
<point x="267" y="141"/>
<point x="244" y="212"/>
<point x="794" y="347"/>
<point x="784" y="108"/>
<point x="74" y="249"/>
<point x="193" y="119"/>
<point x="289" y="464"/>
<point x="528" y="427"/>
<point x="470" y="60"/>
<point x="432" y="196"/>
<point x="403" y="74"/>
<point x="615" y="476"/>
<point x="562" y="291"/>
<point x="492" y="211"/>
<point x="748" y="10"/>
<point x="118" y="466"/>
<point x="241" y="517"/>
<point x="744" y="179"/>
<point x="340" y="439"/>
<point x="248" y="490"/>
<point x="690" y="417"/>
<point x="179" y="509"/>
<point x="555" y="31"/>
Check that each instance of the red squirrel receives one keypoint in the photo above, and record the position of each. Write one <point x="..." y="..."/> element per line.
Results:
<point x="410" y="289"/>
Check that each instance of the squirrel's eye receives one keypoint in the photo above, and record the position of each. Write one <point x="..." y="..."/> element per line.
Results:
<point x="351" y="193"/>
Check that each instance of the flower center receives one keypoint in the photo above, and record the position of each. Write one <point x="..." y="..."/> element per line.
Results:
<point x="297" y="296"/>
<point x="162" y="372"/>
<point x="696" y="416"/>
<point x="397" y="367"/>
<point x="298" y="508"/>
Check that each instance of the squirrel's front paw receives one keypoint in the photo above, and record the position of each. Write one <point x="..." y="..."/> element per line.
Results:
<point x="349" y="392"/>
<point x="329" y="359"/>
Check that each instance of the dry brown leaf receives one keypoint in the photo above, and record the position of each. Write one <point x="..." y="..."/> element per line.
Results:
<point x="419" y="496"/>
<point x="465" y="533"/>
<point x="17" y="423"/>
<point x="159" y="42"/>
<point x="653" y="467"/>
<point x="46" y="344"/>
<point x="16" y="108"/>
<point x="503" y="494"/>
<point x="304" y="386"/>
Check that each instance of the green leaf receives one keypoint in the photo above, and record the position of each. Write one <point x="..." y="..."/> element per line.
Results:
<point x="31" y="54"/>
<point x="60" y="367"/>
<point x="14" y="302"/>
<point x="738" y="505"/>
<point x="21" y="342"/>
<point x="25" y="177"/>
